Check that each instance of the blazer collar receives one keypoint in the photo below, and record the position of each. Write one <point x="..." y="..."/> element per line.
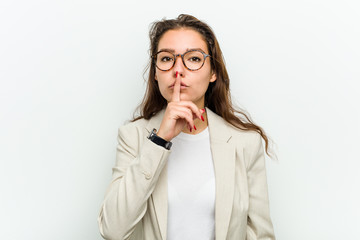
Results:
<point x="223" y="155"/>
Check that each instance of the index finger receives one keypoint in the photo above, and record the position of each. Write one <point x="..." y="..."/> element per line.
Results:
<point x="176" y="93"/>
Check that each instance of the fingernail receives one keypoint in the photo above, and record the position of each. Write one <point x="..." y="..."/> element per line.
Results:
<point x="190" y="129"/>
<point x="203" y="109"/>
<point x="176" y="73"/>
<point x="194" y="127"/>
<point x="202" y="118"/>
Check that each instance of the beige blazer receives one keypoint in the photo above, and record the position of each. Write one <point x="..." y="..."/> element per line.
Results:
<point x="135" y="204"/>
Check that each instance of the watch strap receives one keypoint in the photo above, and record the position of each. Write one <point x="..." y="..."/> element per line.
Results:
<point x="158" y="140"/>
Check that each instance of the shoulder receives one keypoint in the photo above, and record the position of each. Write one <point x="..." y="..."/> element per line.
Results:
<point x="247" y="138"/>
<point x="249" y="143"/>
<point x="142" y="126"/>
<point x="131" y="136"/>
<point x="238" y="137"/>
<point x="132" y="129"/>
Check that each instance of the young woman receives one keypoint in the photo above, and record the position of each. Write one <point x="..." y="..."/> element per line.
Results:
<point x="187" y="168"/>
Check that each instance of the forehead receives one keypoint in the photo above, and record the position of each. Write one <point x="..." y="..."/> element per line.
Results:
<point x="182" y="39"/>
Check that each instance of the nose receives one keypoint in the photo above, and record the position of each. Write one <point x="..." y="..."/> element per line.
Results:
<point x="179" y="65"/>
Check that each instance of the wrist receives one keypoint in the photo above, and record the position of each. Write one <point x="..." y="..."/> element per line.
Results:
<point x="155" y="138"/>
<point x="160" y="134"/>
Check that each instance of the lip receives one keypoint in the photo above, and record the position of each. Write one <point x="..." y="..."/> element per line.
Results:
<point x="182" y="85"/>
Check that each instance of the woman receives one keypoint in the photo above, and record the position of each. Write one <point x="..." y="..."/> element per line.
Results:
<point x="187" y="168"/>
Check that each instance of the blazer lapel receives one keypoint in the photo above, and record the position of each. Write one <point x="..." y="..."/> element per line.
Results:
<point x="223" y="155"/>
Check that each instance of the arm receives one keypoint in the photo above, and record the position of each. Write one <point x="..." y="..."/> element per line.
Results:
<point x="259" y="223"/>
<point x="133" y="180"/>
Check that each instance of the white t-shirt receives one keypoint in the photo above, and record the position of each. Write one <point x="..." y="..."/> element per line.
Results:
<point x="191" y="188"/>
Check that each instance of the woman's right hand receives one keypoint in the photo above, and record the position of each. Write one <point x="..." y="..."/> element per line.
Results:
<point x="177" y="114"/>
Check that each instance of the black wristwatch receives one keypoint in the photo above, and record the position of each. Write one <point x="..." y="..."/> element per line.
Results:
<point x="158" y="140"/>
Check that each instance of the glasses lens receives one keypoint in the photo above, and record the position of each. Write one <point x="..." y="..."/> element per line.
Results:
<point x="194" y="60"/>
<point x="164" y="60"/>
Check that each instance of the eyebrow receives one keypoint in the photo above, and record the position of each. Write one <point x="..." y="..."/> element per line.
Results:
<point x="173" y="51"/>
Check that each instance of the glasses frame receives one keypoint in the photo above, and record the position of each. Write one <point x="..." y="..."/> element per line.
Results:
<point x="182" y="58"/>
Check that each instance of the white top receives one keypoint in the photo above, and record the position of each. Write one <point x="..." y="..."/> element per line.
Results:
<point x="191" y="188"/>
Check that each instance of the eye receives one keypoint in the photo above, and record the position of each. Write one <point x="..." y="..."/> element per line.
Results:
<point x="194" y="59"/>
<point x="166" y="59"/>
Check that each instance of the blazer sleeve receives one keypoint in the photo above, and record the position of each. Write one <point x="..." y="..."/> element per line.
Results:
<point x="259" y="225"/>
<point x="139" y="163"/>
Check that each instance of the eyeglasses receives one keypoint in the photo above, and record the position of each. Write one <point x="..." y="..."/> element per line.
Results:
<point x="192" y="59"/>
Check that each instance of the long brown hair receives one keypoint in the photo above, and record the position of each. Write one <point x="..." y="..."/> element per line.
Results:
<point x="217" y="96"/>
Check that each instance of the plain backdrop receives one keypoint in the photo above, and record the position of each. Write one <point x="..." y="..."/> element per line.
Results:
<point x="72" y="72"/>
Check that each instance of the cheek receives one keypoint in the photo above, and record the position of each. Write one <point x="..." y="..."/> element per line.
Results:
<point x="204" y="79"/>
<point x="163" y="91"/>
<point x="163" y="88"/>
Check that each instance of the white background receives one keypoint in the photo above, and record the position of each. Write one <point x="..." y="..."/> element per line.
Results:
<point x="72" y="72"/>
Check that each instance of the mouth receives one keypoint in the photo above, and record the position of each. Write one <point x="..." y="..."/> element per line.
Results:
<point x="182" y="85"/>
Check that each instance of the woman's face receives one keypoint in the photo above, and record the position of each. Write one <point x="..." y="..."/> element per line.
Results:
<point x="179" y="41"/>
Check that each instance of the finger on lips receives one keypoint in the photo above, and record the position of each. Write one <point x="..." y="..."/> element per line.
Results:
<point x="176" y="93"/>
<point x="190" y="105"/>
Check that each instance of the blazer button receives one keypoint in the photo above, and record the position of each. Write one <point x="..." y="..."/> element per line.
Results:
<point x="147" y="175"/>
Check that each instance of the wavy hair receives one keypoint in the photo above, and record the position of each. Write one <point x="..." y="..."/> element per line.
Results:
<point x="217" y="96"/>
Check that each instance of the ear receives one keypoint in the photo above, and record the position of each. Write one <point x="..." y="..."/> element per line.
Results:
<point x="213" y="77"/>
<point x="155" y="77"/>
